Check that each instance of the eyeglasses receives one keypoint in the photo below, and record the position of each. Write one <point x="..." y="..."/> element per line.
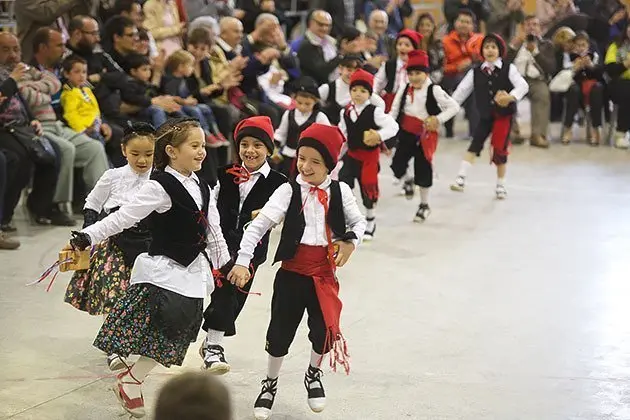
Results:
<point x="93" y="33"/>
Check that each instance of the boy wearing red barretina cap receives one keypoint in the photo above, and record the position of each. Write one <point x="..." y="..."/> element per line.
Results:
<point x="497" y="86"/>
<point x="420" y="108"/>
<point x="242" y="190"/>
<point x="391" y="76"/>
<point x="322" y="227"/>
<point x="366" y="127"/>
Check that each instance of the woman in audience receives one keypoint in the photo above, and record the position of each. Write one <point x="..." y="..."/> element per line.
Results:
<point x="617" y="63"/>
<point x="551" y="12"/>
<point x="432" y="45"/>
<point x="162" y="20"/>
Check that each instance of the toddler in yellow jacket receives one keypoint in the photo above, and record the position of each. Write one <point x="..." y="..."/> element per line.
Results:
<point x="80" y="107"/>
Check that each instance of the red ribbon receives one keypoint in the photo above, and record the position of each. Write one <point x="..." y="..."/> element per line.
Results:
<point x="240" y="173"/>
<point x="48" y="272"/>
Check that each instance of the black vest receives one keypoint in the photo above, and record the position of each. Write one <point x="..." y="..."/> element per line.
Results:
<point x="295" y="130"/>
<point x="390" y="75"/>
<point x="133" y="241"/>
<point x="432" y="106"/>
<point x="356" y="128"/>
<point x="332" y="109"/>
<point x="233" y="221"/>
<point x="487" y="86"/>
<point x="180" y="233"/>
<point x="294" y="223"/>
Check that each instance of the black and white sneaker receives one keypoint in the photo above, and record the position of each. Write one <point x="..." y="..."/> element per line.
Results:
<point x="264" y="402"/>
<point x="408" y="189"/>
<point x="459" y="184"/>
<point x="315" y="389"/>
<point x="422" y="214"/>
<point x="116" y="362"/>
<point x="369" y="229"/>
<point x="214" y="359"/>
<point x="501" y="192"/>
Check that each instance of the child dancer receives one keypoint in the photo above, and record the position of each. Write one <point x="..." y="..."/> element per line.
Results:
<point x="161" y="312"/>
<point x="420" y="108"/>
<point x="391" y="75"/>
<point x="240" y="192"/>
<point x="366" y="127"/>
<point x="97" y="289"/>
<point x="322" y="227"/>
<point x="335" y="96"/>
<point x="80" y="108"/>
<point x="491" y="81"/>
<point x="297" y="120"/>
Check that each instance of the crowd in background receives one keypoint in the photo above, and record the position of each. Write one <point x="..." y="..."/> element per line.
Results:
<point x="80" y="70"/>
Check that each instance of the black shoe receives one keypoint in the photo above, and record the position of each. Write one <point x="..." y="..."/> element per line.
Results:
<point x="35" y="218"/>
<point x="59" y="217"/>
<point x="315" y="389"/>
<point x="214" y="359"/>
<point x="369" y="234"/>
<point x="408" y="188"/>
<point x="264" y="402"/>
<point x="423" y="213"/>
<point x="8" y="227"/>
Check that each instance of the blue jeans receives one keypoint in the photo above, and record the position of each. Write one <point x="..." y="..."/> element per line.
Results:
<point x="204" y="114"/>
<point x="157" y="116"/>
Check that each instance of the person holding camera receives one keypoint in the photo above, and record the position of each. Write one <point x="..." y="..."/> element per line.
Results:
<point x="534" y="57"/>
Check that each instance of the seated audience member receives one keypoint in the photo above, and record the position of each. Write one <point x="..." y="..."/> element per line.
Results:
<point x="162" y="21"/>
<point x="6" y="242"/>
<point x="588" y="88"/>
<point x="317" y="53"/>
<point x="432" y="44"/>
<point x="617" y="63"/>
<point x="553" y="12"/>
<point x="193" y="396"/>
<point x="480" y="10"/>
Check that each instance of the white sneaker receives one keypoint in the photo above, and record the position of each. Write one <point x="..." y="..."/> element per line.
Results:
<point x="501" y="192"/>
<point x="369" y="230"/>
<point x="214" y="359"/>
<point x="116" y="362"/>
<point x="459" y="184"/>
<point x="622" y="141"/>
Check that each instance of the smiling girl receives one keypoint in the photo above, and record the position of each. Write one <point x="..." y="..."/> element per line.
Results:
<point x="242" y="190"/>
<point x="161" y="312"/>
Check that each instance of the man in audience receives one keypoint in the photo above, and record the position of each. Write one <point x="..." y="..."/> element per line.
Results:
<point x="504" y="16"/>
<point x="317" y="52"/>
<point x="397" y="11"/>
<point x="132" y="9"/>
<point x="535" y="59"/>
<point x="226" y="59"/>
<point x="119" y="38"/>
<point x="479" y="8"/>
<point x="377" y="23"/>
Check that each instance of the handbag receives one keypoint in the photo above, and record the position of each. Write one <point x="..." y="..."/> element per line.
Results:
<point x="38" y="147"/>
<point x="562" y="81"/>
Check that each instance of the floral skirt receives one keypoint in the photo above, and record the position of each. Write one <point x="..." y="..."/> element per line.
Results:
<point x="97" y="289"/>
<point x="131" y="328"/>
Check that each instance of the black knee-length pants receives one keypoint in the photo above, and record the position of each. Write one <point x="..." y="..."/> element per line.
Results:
<point x="351" y="171"/>
<point x="409" y="148"/>
<point x="481" y="134"/>
<point x="292" y="294"/>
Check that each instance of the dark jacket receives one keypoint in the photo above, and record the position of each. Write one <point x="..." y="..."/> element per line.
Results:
<point x="480" y="8"/>
<point x="545" y="59"/>
<point x="312" y="61"/>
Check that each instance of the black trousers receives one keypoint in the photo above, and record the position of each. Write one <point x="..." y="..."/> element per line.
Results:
<point x="292" y="294"/>
<point x="19" y="169"/>
<point x="575" y="100"/>
<point x="226" y="304"/>
<point x="409" y="148"/>
<point x="620" y="93"/>
<point x="350" y="171"/>
<point x="484" y="129"/>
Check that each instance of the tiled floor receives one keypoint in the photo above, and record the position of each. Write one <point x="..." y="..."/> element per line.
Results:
<point x="491" y="310"/>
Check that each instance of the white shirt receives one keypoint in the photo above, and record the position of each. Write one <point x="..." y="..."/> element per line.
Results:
<point x="389" y="126"/>
<point x="115" y="188"/>
<point x="245" y="188"/>
<point x="300" y="118"/>
<point x="417" y="108"/>
<point x="227" y="47"/>
<point x="525" y="63"/>
<point x="342" y="94"/>
<point x="274" y="92"/>
<point x="400" y="77"/>
<point x="193" y="281"/>
<point x="315" y="230"/>
<point x="467" y="85"/>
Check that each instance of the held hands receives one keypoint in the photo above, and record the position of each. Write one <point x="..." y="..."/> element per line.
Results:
<point x="190" y="101"/>
<point x="239" y="275"/>
<point x="37" y="126"/>
<point x="343" y="251"/>
<point x="432" y="123"/>
<point x="19" y="71"/>
<point x="106" y="131"/>
<point x="371" y="138"/>
<point x="503" y="99"/>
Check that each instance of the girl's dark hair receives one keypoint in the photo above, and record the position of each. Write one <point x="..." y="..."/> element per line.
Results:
<point x="430" y="17"/>
<point x="138" y="129"/>
<point x="172" y="133"/>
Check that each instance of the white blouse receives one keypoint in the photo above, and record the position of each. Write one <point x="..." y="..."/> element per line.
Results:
<point x="283" y="130"/>
<point x="114" y="188"/>
<point x="194" y="281"/>
<point x="418" y="107"/>
<point x="276" y="208"/>
<point x="342" y="94"/>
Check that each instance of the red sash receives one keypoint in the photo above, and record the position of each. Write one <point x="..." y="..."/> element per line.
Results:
<point x="499" y="139"/>
<point x="587" y="85"/>
<point x="388" y="98"/>
<point x="428" y="139"/>
<point x="369" y="159"/>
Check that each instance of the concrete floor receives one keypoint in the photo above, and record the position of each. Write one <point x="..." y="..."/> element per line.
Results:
<point x="491" y="310"/>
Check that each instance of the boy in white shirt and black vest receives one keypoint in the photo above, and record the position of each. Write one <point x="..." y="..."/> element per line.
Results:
<point x="242" y="190"/>
<point x="366" y="127"/>
<point x="420" y="108"/>
<point x="497" y="87"/>
<point x="335" y="96"/>
<point x="322" y="227"/>
<point x="297" y="120"/>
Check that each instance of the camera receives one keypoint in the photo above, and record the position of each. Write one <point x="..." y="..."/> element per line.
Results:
<point x="530" y="38"/>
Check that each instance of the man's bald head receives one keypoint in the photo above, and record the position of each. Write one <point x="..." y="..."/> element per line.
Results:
<point x="10" y="52"/>
<point x="231" y="30"/>
<point x="320" y="23"/>
<point x="378" y="21"/>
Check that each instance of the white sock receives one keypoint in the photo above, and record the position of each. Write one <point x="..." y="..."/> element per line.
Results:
<point x="369" y="213"/>
<point x="424" y="195"/>
<point x="316" y="359"/>
<point x="215" y="337"/>
<point x="501" y="181"/>
<point x="408" y="178"/>
<point x="273" y="366"/>
<point x="139" y="371"/>
<point x="463" y="168"/>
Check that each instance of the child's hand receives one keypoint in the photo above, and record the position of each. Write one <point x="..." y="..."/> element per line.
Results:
<point x="343" y="251"/>
<point x="106" y="131"/>
<point x="239" y="275"/>
<point x="190" y="101"/>
<point x="503" y="99"/>
<point x="371" y="138"/>
<point x="432" y="123"/>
